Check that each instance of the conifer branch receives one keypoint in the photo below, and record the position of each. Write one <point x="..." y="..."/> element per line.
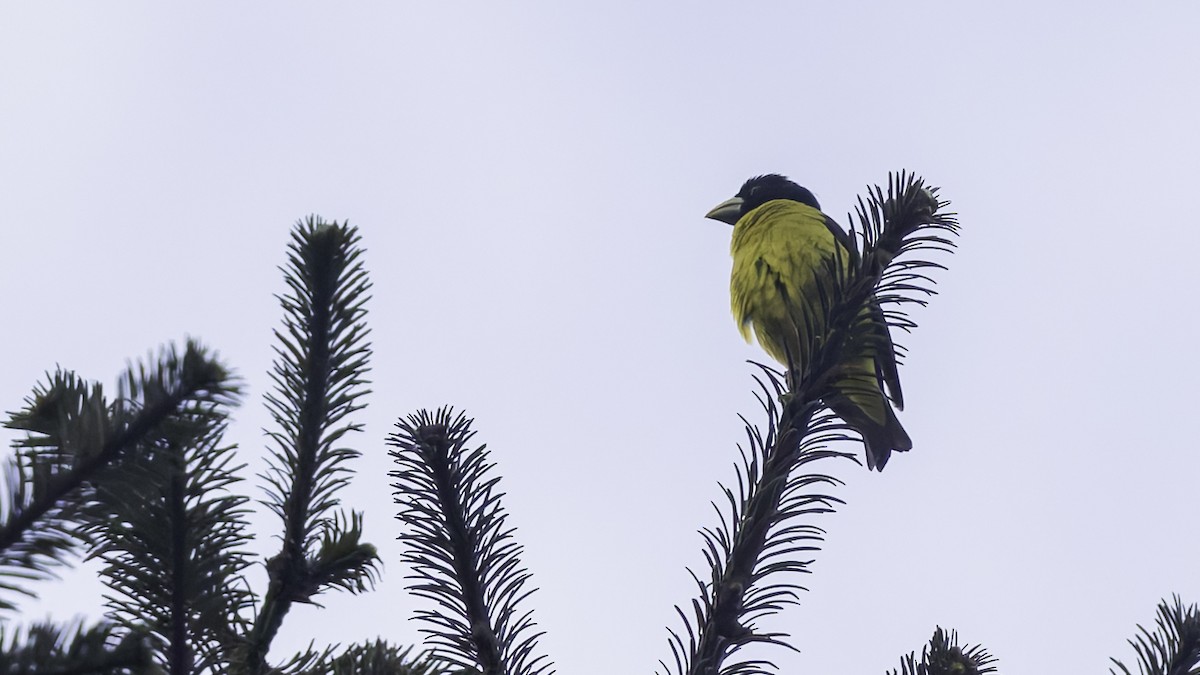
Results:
<point x="319" y="375"/>
<point x="944" y="656"/>
<point x="461" y="550"/>
<point x="172" y="539"/>
<point x="1173" y="648"/>
<point x="73" y="434"/>
<point x="75" y="649"/>
<point x="764" y="531"/>
<point x="371" y="658"/>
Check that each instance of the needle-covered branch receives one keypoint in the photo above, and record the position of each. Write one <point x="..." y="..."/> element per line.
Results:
<point x="372" y="658"/>
<point x="102" y="649"/>
<point x="1173" y="647"/>
<point x="172" y="541"/>
<point x="461" y="551"/>
<point x="73" y="435"/>
<point x="320" y="378"/>
<point x="765" y="533"/>
<point x="944" y="656"/>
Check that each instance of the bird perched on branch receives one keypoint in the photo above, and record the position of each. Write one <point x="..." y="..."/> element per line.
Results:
<point x="789" y="260"/>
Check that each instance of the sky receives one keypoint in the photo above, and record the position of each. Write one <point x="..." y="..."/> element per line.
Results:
<point x="530" y="181"/>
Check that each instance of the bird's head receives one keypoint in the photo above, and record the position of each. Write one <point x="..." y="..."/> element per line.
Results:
<point x="758" y="191"/>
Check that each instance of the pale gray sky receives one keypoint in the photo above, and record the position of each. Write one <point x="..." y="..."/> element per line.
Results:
<point x="530" y="180"/>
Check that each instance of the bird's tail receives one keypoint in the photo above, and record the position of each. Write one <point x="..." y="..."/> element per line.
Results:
<point x="882" y="440"/>
<point x="863" y="407"/>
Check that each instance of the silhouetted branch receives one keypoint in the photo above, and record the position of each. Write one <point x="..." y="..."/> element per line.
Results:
<point x="462" y="553"/>
<point x="1173" y="648"/>
<point x="763" y="535"/>
<point x="73" y="434"/>
<point x="944" y="656"/>
<point x="319" y="374"/>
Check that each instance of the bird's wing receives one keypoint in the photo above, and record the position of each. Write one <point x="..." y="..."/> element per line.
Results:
<point x="885" y="355"/>
<point x="843" y="238"/>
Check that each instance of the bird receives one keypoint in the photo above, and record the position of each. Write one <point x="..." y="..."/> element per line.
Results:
<point x="785" y="251"/>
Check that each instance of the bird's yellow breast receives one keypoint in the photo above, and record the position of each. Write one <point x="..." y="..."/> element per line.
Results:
<point x="779" y="251"/>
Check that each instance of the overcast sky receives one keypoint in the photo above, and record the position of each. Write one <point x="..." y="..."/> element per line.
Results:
<point x="530" y="181"/>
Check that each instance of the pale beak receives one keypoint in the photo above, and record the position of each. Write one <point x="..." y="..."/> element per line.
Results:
<point x="727" y="211"/>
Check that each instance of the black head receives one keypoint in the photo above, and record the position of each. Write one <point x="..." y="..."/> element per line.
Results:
<point x="762" y="189"/>
<point x="758" y="191"/>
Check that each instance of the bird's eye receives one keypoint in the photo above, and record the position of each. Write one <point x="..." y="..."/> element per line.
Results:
<point x="754" y="189"/>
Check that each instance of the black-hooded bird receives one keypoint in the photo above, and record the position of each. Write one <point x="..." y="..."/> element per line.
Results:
<point x="784" y="250"/>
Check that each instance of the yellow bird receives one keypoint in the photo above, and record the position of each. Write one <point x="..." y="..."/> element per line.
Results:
<point x="782" y="249"/>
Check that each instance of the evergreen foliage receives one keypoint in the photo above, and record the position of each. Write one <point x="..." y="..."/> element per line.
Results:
<point x="144" y="483"/>
<point x="1173" y="647"/>
<point x="461" y="551"/>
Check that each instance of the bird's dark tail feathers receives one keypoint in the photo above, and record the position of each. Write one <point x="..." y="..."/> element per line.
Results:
<point x="881" y="439"/>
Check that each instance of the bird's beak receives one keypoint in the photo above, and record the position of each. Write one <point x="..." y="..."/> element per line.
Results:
<point x="727" y="211"/>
